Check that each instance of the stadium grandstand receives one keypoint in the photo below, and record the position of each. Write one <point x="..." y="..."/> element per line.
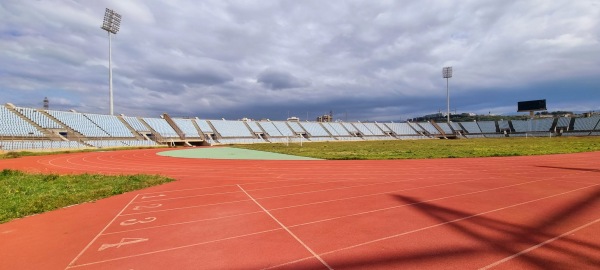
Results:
<point x="489" y="129"/>
<point x="316" y="131"/>
<point x="472" y="130"/>
<point x="405" y="131"/>
<point x="24" y="128"/>
<point x="428" y="128"/>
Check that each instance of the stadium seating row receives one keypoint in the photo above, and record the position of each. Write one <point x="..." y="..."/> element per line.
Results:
<point x="13" y="125"/>
<point x="100" y="130"/>
<point x="8" y="145"/>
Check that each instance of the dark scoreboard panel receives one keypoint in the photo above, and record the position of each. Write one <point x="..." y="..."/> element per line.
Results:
<point x="532" y="105"/>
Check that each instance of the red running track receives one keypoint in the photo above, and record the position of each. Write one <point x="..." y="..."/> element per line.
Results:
<point x="538" y="212"/>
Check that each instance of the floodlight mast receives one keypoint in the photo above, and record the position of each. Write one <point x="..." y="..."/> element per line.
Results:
<point x="112" y="22"/>
<point x="447" y="74"/>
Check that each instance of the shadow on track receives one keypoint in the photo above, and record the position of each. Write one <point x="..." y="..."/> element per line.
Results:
<point x="571" y="169"/>
<point x="497" y="236"/>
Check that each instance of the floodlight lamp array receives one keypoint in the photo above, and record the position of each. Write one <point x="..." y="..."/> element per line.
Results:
<point x="447" y="72"/>
<point x="112" y="21"/>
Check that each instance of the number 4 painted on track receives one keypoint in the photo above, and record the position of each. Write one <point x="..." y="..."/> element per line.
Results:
<point x="152" y="196"/>
<point x="124" y="241"/>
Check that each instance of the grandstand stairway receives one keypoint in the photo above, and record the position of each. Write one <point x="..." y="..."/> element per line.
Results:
<point x="156" y="136"/>
<point x="136" y="134"/>
<point x="70" y="132"/>
<point x="47" y="133"/>
<point x="174" y="126"/>
<point x="216" y="135"/>
<point x="554" y="124"/>
<point x="327" y="130"/>
<point x="512" y="128"/>
<point x="261" y="134"/>
<point x="572" y="124"/>
<point x="100" y="127"/>
<point x="155" y="133"/>
<point x="443" y="134"/>
<point x="202" y="136"/>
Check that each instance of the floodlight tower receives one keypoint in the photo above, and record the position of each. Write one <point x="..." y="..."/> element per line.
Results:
<point x="112" y="22"/>
<point x="447" y="74"/>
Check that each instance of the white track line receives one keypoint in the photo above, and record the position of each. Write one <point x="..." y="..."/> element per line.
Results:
<point x="313" y="203"/>
<point x="293" y="206"/>
<point x="538" y="245"/>
<point x="288" y="230"/>
<point x="185" y="222"/>
<point x="186" y="207"/>
<point x="176" y="248"/>
<point x="433" y="226"/>
<point x="367" y="195"/>
<point x="409" y="204"/>
<point x="100" y="233"/>
<point x="461" y="219"/>
<point x="273" y="209"/>
<point x="189" y="196"/>
<point x="313" y="191"/>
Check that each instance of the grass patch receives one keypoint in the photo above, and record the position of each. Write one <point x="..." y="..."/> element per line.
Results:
<point x="425" y="149"/>
<point x="18" y="154"/>
<point x="23" y="194"/>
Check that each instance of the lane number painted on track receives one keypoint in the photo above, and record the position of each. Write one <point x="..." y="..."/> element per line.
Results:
<point x="149" y="206"/>
<point x="134" y="221"/>
<point x="123" y="242"/>
<point x="153" y="196"/>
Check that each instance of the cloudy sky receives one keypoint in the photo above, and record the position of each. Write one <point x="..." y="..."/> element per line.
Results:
<point x="363" y="60"/>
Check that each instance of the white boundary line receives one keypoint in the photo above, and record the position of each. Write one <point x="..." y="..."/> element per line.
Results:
<point x="367" y="195"/>
<point x="177" y="248"/>
<point x="307" y="204"/>
<point x="288" y="230"/>
<point x="100" y="233"/>
<point x="460" y="219"/>
<point x="185" y="207"/>
<point x="434" y="226"/>
<point x="185" y="222"/>
<point x="299" y="205"/>
<point x="409" y="204"/>
<point x="538" y="245"/>
<point x="273" y="209"/>
<point x="187" y="197"/>
<point x="313" y="191"/>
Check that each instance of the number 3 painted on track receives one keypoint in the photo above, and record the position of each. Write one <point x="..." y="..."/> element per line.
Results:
<point x="136" y="221"/>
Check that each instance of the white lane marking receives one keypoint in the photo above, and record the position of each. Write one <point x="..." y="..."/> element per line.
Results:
<point x="288" y="230"/>
<point x="100" y="233"/>
<point x="430" y="227"/>
<point x="457" y="220"/>
<point x="405" y="205"/>
<point x="538" y="245"/>
<point x="175" y="248"/>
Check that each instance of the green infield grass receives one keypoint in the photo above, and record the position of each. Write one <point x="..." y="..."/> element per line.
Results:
<point x="434" y="148"/>
<point x="24" y="153"/>
<point x="23" y="194"/>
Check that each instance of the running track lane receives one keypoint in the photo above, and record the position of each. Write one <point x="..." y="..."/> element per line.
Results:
<point x="495" y="213"/>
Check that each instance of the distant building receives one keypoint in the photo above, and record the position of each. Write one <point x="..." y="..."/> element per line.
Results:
<point x="324" y="118"/>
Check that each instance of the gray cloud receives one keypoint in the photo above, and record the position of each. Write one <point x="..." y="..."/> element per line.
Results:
<point x="377" y="60"/>
<point x="278" y="80"/>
